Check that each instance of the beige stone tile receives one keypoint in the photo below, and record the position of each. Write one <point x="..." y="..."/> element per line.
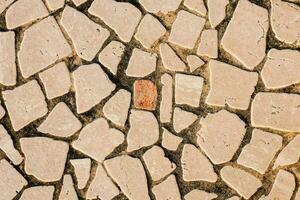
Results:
<point x="199" y="194"/>
<point x="56" y="80"/>
<point x="166" y="102"/>
<point x="25" y="104"/>
<point x="54" y="5"/>
<point x="61" y="122"/>
<point x="98" y="140"/>
<point x="195" y="166"/>
<point x="43" y="44"/>
<point x="144" y="94"/>
<point x="248" y="29"/>
<point x="208" y="43"/>
<point x="228" y="128"/>
<point x="168" y="189"/>
<point x="182" y="119"/>
<point x="38" y="193"/>
<point x="194" y="62"/>
<point x="230" y="85"/>
<point x="196" y="5"/>
<point x="278" y="111"/>
<point x="42" y="160"/>
<point x="4" y="5"/>
<point x="216" y="11"/>
<point x="67" y="190"/>
<point x="186" y="21"/>
<point x="163" y="6"/>
<point x="170" y="141"/>
<point x="115" y="15"/>
<point x="148" y="38"/>
<point x="91" y="86"/>
<point x="79" y="2"/>
<point x="82" y="168"/>
<point x="241" y="181"/>
<point x="129" y="174"/>
<point x="170" y="59"/>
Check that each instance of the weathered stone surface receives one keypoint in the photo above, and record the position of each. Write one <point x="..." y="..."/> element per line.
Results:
<point x="166" y="102"/>
<point x="4" y="5"/>
<point x="170" y="59"/>
<point x="208" y="43"/>
<point x="82" y="168"/>
<point x="194" y="62"/>
<point x="145" y="94"/>
<point x="38" y="193"/>
<point x="216" y="11"/>
<point x="170" y="141"/>
<point x="199" y="194"/>
<point x="196" y="5"/>
<point x="67" y="190"/>
<point x="54" y="5"/>
<point x="156" y="6"/>
<point x="168" y="189"/>
<point x="182" y="119"/>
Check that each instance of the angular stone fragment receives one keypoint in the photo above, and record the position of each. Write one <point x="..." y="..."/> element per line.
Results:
<point x="196" y="5"/>
<point x="228" y="128"/>
<point x="129" y="174"/>
<point x="116" y="15"/>
<point x="145" y="94"/>
<point x="148" y="38"/>
<point x="279" y="111"/>
<point x="248" y="29"/>
<point x="111" y="56"/>
<point x="4" y="5"/>
<point x="195" y="166"/>
<point x="8" y="72"/>
<point x="208" y="43"/>
<point x="199" y="194"/>
<point x="188" y="89"/>
<point x="61" y="122"/>
<point x="194" y="62"/>
<point x="144" y="130"/>
<point x="23" y="12"/>
<point x="170" y="59"/>
<point x="170" y="141"/>
<point x="166" y="102"/>
<point x="38" y="193"/>
<point x="116" y="108"/>
<point x="43" y="44"/>
<point x="78" y="2"/>
<point x="186" y="21"/>
<point x="82" y="168"/>
<point x="25" y="104"/>
<point x="168" y="189"/>
<point x="230" y="85"/>
<point x="244" y="183"/>
<point x="54" y="5"/>
<point x="141" y="63"/>
<point x="182" y="119"/>
<point x="91" y="86"/>
<point x="216" y="11"/>
<point x="98" y="140"/>
<point x="67" y="190"/>
<point x="56" y="80"/>
<point x="156" y="6"/>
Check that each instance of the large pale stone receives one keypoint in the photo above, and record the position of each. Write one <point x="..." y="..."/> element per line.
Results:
<point x="216" y="11"/>
<point x="168" y="189"/>
<point x="182" y="119"/>
<point x="163" y="6"/>
<point x="38" y="193"/>
<point x="170" y="59"/>
<point x="208" y="43"/>
<point x="54" y="5"/>
<point x="196" y="5"/>
<point x="166" y="102"/>
<point x="199" y="194"/>
<point x="67" y="190"/>
<point x="82" y="168"/>
<point x="170" y="141"/>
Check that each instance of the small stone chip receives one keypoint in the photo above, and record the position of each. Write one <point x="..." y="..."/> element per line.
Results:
<point x="79" y="2"/>
<point x="170" y="141"/>
<point x="196" y="5"/>
<point x="216" y="11"/>
<point x="166" y="102"/>
<point x="38" y="193"/>
<point x="145" y="94"/>
<point x="54" y="5"/>
<point x="25" y="104"/>
<point x="156" y="6"/>
<point x="170" y="59"/>
<point x="82" y="168"/>
<point x="168" y="189"/>
<point x="243" y="182"/>
<point x="199" y="194"/>
<point x="186" y="21"/>
<point x="208" y="43"/>
<point x="182" y="119"/>
<point x="67" y="190"/>
<point x="194" y="62"/>
<point x="4" y="5"/>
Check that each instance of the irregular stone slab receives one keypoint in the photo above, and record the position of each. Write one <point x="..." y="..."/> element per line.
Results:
<point x="196" y="5"/>
<point x="166" y="102"/>
<point x="141" y="63"/>
<point x="11" y="182"/>
<point x="157" y="164"/>
<point x="116" y="14"/>
<point x="247" y="28"/>
<point x="195" y="166"/>
<point x="111" y="56"/>
<point x="98" y="140"/>
<point x="61" y="122"/>
<point x="38" y="193"/>
<point x="281" y="68"/>
<point x="54" y="5"/>
<point x="186" y="21"/>
<point x="170" y="141"/>
<point x="170" y="59"/>
<point x="43" y="44"/>
<point x="208" y="43"/>
<point x="144" y="130"/>
<point x="259" y="153"/>
<point x="168" y="189"/>
<point x="148" y="38"/>
<point x="199" y="194"/>
<point x="194" y="62"/>
<point x="188" y="89"/>
<point x="4" y="5"/>
<point x="67" y="190"/>
<point x="8" y="72"/>
<point x="82" y="168"/>
<point x="116" y="108"/>
<point x="278" y="111"/>
<point x="23" y="12"/>
<point x="182" y="119"/>
<point x="163" y="6"/>
<point x="228" y="128"/>
<point x="2" y="111"/>
<point x="285" y="21"/>
<point x="79" y="2"/>
<point x="244" y="183"/>
<point x="230" y="85"/>
<point x="91" y="86"/>
<point x="129" y="174"/>
<point x="56" y="80"/>
<point x="144" y="94"/>
<point x="101" y="186"/>
<point x="216" y="11"/>
<point x="7" y="146"/>
<point x="25" y="104"/>
<point x="42" y="160"/>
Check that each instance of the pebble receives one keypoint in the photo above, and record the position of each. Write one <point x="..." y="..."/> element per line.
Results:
<point x="38" y="193"/>
<point x="166" y="102"/>
<point x="168" y="189"/>
<point x="182" y="119"/>
<point x="82" y="169"/>
<point x="208" y="43"/>
<point x="216" y="11"/>
<point x="170" y="59"/>
<point x="67" y="190"/>
<point x="144" y="95"/>
<point x="170" y="141"/>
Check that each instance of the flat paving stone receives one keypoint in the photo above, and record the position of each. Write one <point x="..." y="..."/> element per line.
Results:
<point x="159" y="6"/>
<point x="82" y="169"/>
<point x="199" y="194"/>
<point x="166" y="102"/>
<point x="38" y="192"/>
<point x="182" y="119"/>
<point x="170" y="141"/>
<point x="54" y="5"/>
<point x="208" y="43"/>
<point x="5" y="4"/>
<point x="168" y="189"/>
<point x="145" y="94"/>
<point x="216" y="11"/>
<point x="194" y="62"/>
<point x="170" y="59"/>
<point x="67" y="190"/>
<point x="196" y="5"/>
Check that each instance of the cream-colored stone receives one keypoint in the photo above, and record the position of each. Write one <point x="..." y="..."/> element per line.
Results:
<point x="170" y="141"/>
<point x="199" y="194"/>
<point x="278" y="111"/>
<point x="82" y="168"/>
<point x="25" y="104"/>
<point x="68" y="191"/>
<point x="56" y="80"/>
<point x="24" y="11"/>
<point x="230" y="85"/>
<point x="43" y="44"/>
<point x="220" y="135"/>
<point x="144" y="130"/>
<point x="194" y="62"/>
<point x="61" y="122"/>
<point x="91" y="86"/>
<point x="148" y="38"/>
<point x="88" y="42"/>
<point x="42" y="158"/>
<point x="166" y="98"/>
<point x="243" y="182"/>
<point x="248" y="29"/>
<point x="168" y="189"/>
<point x="196" y="5"/>
<point x="186" y="21"/>
<point x="79" y="2"/>
<point x="4" y="5"/>
<point x="188" y="89"/>
<point x="195" y="166"/>
<point x="2" y="111"/>
<point x="216" y="11"/>
<point x="129" y="174"/>
<point x="116" y="15"/>
<point x="38" y="193"/>
<point x="163" y="6"/>
<point x="208" y="43"/>
<point x="54" y="5"/>
<point x="259" y="153"/>
<point x="170" y="59"/>
<point x="182" y="119"/>
<point x="98" y="140"/>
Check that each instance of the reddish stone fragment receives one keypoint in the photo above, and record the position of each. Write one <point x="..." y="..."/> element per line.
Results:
<point x="145" y="94"/>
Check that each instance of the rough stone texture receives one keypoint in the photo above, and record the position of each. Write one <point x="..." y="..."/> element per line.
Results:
<point x="163" y="6"/>
<point x="168" y="189"/>
<point x="166" y="98"/>
<point x="196" y="5"/>
<point x="82" y="168"/>
<point x="216" y="11"/>
<point x="54" y="5"/>
<point x="170" y="59"/>
<point x="67" y="189"/>
<point x="38" y="193"/>
<point x="182" y="119"/>
<point x="208" y="43"/>
<point x="199" y="194"/>
<point x="194" y="62"/>
<point x="170" y="141"/>
<point x="145" y="94"/>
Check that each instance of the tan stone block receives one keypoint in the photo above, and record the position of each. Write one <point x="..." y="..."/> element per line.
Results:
<point x="168" y="189"/>
<point x="38" y="193"/>
<point x="208" y="43"/>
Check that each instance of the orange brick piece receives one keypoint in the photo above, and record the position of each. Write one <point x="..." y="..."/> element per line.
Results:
<point x="145" y="94"/>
